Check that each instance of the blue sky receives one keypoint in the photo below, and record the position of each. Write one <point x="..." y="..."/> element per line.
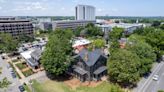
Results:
<point x="66" y="7"/>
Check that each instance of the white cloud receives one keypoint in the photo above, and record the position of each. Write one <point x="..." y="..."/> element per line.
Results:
<point x="28" y="6"/>
<point x="0" y="8"/>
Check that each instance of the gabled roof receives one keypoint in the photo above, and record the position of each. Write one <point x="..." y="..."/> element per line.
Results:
<point x="92" y="56"/>
<point x="100" y="70"/>
<point x="36" y="54"/>
<point x="32" y="62"/>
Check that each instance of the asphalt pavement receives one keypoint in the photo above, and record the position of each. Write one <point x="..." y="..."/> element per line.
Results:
<point x="150" y="85"/>
<point x="6" y="73"/>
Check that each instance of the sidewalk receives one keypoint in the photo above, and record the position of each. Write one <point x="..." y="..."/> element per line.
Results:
<point x="41" y="74"/>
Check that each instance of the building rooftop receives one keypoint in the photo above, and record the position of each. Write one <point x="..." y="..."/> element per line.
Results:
<point x="124" y="25"/>
<point x="69" y="21"/>
<point x="13" y="21"/>
<point x="90" y="57"/>
<point x="27" y="54"/>
<point x="80" y="42"/>
<point x="36" y="53"/>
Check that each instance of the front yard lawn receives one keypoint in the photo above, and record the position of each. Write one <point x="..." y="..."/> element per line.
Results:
<point x="21" y="66"/>
<point x="53" y="86"/>
<point x="28" y="72"/>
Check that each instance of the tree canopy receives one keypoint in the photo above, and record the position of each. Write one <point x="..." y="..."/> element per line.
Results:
<point x="92" y="30"/>
<point x="56" y="56"/>
<point x="7" y="43"/>
<point x="144" y="51"/>
<point x="154" y="37"/>
<point x="116" y="34"/>
<point x="123" y="67"/>
<point x="99" y="43"/>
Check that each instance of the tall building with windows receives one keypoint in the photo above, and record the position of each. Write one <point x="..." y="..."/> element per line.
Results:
<point x="16" y="27"/>
<point x="85" y="12"/>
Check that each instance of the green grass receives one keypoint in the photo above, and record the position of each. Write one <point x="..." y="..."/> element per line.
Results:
<point x="53" y="86"/>
<point x="27" y="88"/>
<point x="21" y="66"/>
<point x="28" y="73"/>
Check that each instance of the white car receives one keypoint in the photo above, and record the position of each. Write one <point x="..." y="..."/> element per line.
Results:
<point x="155" y="77"/>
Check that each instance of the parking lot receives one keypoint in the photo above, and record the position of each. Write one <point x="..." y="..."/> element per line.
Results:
<point x="6" y="72"/>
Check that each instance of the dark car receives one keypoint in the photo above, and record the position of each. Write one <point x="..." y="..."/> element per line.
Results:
<point x="21" y="88"/>
<point x="3" y="57"/>
<point x="13" y="75"/>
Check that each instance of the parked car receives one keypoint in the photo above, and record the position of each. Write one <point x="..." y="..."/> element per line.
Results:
<point x="21" y="88"/>
<point x="155" y="77"/>
<point x="11" y="69"/>
<point x="13" y="74"/>
<point x="8" y="66"/>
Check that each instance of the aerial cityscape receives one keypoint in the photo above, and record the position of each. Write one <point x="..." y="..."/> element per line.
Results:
<point x="81" y="46"/>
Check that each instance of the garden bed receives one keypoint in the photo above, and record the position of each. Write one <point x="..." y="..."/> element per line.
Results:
<point x="14" y="61"/>
<point x="21" y="66"/>
<point x="28" y="72"/>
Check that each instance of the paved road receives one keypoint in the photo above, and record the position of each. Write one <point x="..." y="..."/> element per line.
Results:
<point x="154" y="86"/>
<point x="149" y="85"/>
<point x="6" y="73"/>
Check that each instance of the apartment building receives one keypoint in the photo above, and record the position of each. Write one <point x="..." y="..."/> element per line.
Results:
<point x="85" y="12"/>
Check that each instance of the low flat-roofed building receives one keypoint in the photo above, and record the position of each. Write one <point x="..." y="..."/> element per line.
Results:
<point x="105" y="29"/>
<point x="71" y="24"/>
<point x="32" y="57"/>
<point x="128" y="28"/>
<point x="16" y="27"/>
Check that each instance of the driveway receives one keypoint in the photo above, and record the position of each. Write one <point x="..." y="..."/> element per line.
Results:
<point x="6" y="73"/>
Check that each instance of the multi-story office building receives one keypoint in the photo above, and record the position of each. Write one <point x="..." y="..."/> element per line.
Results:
<point x="7" y="18"/>
<point x="16" y="27"/>
<point x="45" y="26"/>
<point x="85" y="12"/>
<point x="71" y="24"/>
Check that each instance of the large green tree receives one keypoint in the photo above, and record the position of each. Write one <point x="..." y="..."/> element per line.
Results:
<point x="144" y="51"/>
<point x="154" y="37"/>
<point x="123" y="67"/>
<point x="78" y="30"/>
<point x="116" y="34"/>
<point x="7" y="43"/>
<point x="56" y="56"/>
<point x="99" y="43"/>
<point x="93" y="30"/>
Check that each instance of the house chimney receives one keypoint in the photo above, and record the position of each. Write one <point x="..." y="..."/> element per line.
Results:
<point x="86" y="56"/>
<point x="93" y="48"/>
